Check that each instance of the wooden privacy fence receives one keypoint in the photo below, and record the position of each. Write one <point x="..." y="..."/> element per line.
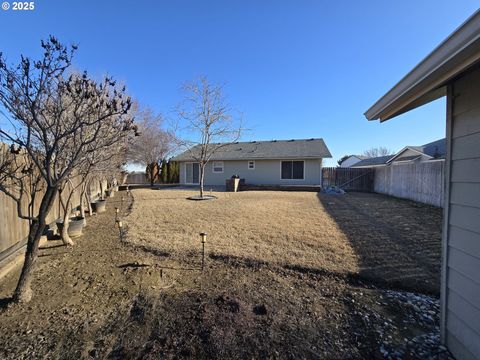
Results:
<point x="137" y="178"/>
<point x="14" y="231"/>
<point x="349" y="179"/>
<point x="422" y="181"/>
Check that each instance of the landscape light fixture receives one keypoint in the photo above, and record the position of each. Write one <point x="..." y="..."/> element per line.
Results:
<point x="120" y="228"/>
<point x="203" y="236"/>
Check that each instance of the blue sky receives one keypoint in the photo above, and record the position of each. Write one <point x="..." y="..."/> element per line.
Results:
<point x="295" y="69"/>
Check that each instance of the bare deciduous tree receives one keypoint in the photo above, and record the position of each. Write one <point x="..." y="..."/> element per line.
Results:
<point x="57" y="121"/>
<point x="208" y="121"/>
<point x="153" y="143"/>
<point x="378" y="151"/>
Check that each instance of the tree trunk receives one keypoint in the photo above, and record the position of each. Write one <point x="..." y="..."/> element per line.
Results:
<point x="66" y="219"/>
<point x="102" y="193"/>
<point x="64" y="235"/>
<point x="202" y="178"/>
<point x="82" y="204"/>
<point x="88" y="197"/>
<point x="23" y="292"/>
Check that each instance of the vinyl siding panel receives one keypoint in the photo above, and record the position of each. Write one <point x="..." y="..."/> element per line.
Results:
<point x="466" y="170"/>
<point x="464" y="240"/>
<point x="467" y="194"/>
<point x="465" y="147"/>
<point x="468" y="289"/>
<point x="458" y="348"/>
<point x="462" y="287"/>
<point x="465" y="264"/>
<point x="465" y="217"/>
<point x="462" y="347"/>
<point x="464" y="310"/>
<point x="466" y="124"/>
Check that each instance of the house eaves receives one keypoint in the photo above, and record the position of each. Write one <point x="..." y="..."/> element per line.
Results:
<point x="426" y="82"/>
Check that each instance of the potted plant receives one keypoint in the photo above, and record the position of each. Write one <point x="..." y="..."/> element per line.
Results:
<point x="75" y="226"/>
<point x="100" y="206"/>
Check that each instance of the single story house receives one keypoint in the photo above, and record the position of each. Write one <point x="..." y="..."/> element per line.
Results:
<point x="275" y="162"/>
<point x="453" y="69"/>
<point x="349" y="161"/>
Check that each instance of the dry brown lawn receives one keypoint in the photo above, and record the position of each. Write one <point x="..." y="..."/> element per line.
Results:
<point x="275" y="227"/>
<point x="375" y="236"/>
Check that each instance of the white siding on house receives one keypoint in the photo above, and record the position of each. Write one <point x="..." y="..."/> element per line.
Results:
<point x="462" y="272"/>
<point x="266" y="172"/>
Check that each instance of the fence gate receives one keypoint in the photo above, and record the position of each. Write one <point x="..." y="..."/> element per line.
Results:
<point x="349" y="179"/>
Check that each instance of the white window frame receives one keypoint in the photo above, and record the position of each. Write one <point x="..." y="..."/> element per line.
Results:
<point x="302" y="179"/>
<point x="248" y="165"/>
<point x="213" y="167"/>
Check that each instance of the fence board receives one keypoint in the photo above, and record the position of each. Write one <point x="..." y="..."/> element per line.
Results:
<point x="136" y="178"/>
<point x="13" y="229"/>
<point x="350" y="179"/>
<point x="421" y="181"/>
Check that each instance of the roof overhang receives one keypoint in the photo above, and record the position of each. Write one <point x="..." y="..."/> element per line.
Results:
<point x="426" y="82"/>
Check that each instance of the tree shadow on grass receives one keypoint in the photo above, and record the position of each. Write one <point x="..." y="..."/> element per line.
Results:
<point x="398" y="242"/>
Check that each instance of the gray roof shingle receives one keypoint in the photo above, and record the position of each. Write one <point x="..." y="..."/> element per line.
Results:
<point x="274" y="149"/>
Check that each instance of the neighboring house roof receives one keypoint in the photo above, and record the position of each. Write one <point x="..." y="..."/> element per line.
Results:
<point x="376" y="161"/>
<point x="434" y="150"/>
<point x="426" y="82"/>
<point x="274" y="149"/>
<point x="359" y="157"/>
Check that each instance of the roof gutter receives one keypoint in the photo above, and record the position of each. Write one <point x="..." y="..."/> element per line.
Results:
<point x="426" y="82"/>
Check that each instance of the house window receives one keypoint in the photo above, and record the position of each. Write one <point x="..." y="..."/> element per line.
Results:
<point x="251" y="165"/>
<point x="292" y="170"/>
<point x="217" y="167"/>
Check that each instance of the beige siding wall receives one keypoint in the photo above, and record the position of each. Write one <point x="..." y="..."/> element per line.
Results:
<point x="462" y="272"/>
